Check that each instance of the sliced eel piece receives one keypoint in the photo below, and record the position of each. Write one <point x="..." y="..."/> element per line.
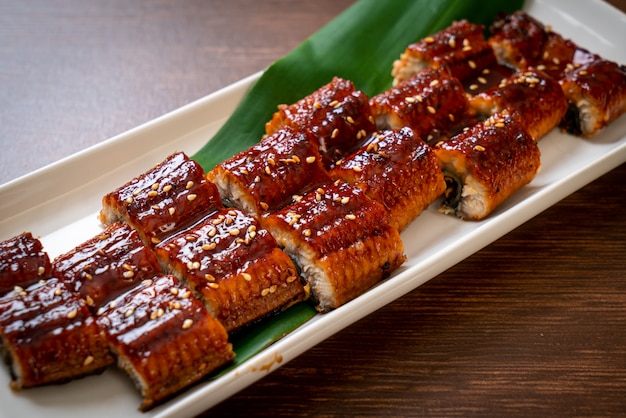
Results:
<point x="398" y="170"/>
<point x="264" y="177"/>
<point x="596" y="94"/>
<point x="521" y="41"/>
<point x="22" y="262"/>
<point x="531" y="97"/>
<point x="337" y="116"/>
<point x="432" y="103"/>
<point x="234" y="266"/>
<point x="168" y="197"/>
<point x="485" y="165"/>
<point x="106" y="265"/>
<point x="341" y="241"/>
<point x="164" y="338"/>
<point x="461" y="48"/>
<point x="48" y="335"/>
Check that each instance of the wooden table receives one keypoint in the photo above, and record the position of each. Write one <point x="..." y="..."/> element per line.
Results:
<point x="534" y="324"/>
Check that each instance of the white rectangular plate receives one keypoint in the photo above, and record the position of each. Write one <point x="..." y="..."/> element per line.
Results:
<point x="59" y="203"/>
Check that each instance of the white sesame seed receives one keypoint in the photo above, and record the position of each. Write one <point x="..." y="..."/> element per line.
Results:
<point x="191" y="197"/>
<point x="187" y="323"/>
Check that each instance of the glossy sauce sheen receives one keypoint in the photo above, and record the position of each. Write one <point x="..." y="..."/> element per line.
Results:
<point x="22" y="262"/>
<point x="523" y="42"/>
<point x="497" y="153"/>
<point x="164" y="337"/>
<point x="337" y="115"/>
<point x="51" y="334"/>
<point x="396" y="169"/>
<point x="429" y="103"/>
<point x="531" y="97"/>
<point x="272" y="171"/>
<point x="235" y="266"/>
<point x="603" y="85"/>
<point x="107" y="265"/>
<point x="460" y="48"/>
<point x="166" y="198"/>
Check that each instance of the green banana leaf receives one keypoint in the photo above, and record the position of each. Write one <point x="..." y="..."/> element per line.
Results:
<point x="359" y="45"/>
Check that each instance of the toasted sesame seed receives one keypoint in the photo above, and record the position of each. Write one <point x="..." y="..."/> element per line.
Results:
<point x="172" y="211"/>
<point x="128" y="274"/>
<point x="409" y="99"/>
<point x="268" y="170"/>
<point x="273" y="288"/>
<point x="72" y="314"/>
<point x="187" y="323"/>
<point x="88" y="360"/>
<point x="317" y="105"/>
<point x="209" y="247"/>
<point x="88" y="276"/>
<point x="191" y="197"/>
<point x="482" y="80"/>
<point x="155" y="186"/>
<point x="431" y="110"/>
<point x="264" y="205"/>
<point x="89" y="301"/>
<point x="472" y="64"/>
<point x="196" y="265"/>
<point x="479" y="148"/>
<point x="174" y="291"/>
<point x="334" y="133"/>
<point x="129" y="312"/>
<point x="451" y="117"/>
<point x="350" y="120"/>
<point x="291" y="279"/>
<point x="582" y="72"/>
<point x="265" y="292"/>
<point x="153" y="193"/>
<point x="351" y="217"/>
<point x="146" y="282"/>
<point x="429" y="39"/>
<point x="434" y="83"/>
<point x="185" y="294"/>
<point x="357" y="169"/>
<point x="452" y="42"/>
<point x="213" y="285"/>
<point x="167" y="188"/>
<point x="307" y="232"/>
<point x="466" y="42"/>
<point x="467" y="48"/>
<point x="334" y="103"/>
<point x="246" y="276"/>
<point x="176" y="305"/>
<point x="473" y="86"/>
<point x="310" y="160"/>
<point x="129" y="199"/>
<point x="153" y="315"/>
<point x="345" y="200"/>
<point x="419" y="98"/>
<point x="136" y="192"/>
<point x="499" y="125"/>
<point x="58" y="291"/>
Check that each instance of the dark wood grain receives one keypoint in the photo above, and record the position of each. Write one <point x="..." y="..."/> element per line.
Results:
<point x="532" y="325"/>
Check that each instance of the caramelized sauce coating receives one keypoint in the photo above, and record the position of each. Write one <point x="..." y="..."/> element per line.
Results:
<point x="341" y="241"/>
<point x="531" y="97"/>
<point x="432" y="103"/>
<point x="396" y="169"/>
<point x="521" y="41"/>
<point x="485" y="165"/>
<point x="263" y="178"/>
<point x="164" y="338"/>
<point x="106" y="265"/>
<point x="22" y="262"/>
<point x="49" y="335"/>
<point x="235" y="266"/>
<point x="167" y="198"/>
<point x="336" y="115"/>
<point x="596" y="93"/>
<point x="461" y="48"/>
